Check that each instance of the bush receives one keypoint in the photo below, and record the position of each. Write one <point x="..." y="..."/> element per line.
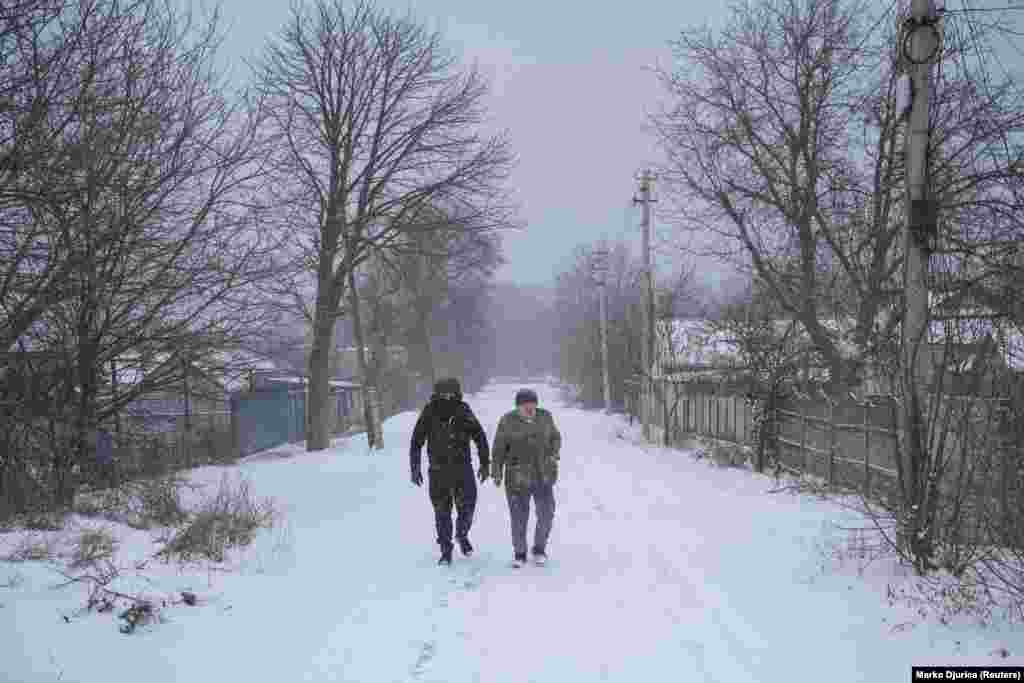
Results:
<point x="229" y="519"/>
<point x="31" y="548"/>
<point x="44" y="521"/>
<point x="91" y="546"/>
<point x="140" y="504"/>
<point x="160" y="500"/>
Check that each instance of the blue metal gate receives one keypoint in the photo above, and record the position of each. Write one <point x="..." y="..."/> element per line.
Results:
<point x="268" y="417"/>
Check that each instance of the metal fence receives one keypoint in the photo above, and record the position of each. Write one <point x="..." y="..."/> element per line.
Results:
<point x="276" y="414"/>
<point x="184" y="440"/>
<point x="267" y="418"/>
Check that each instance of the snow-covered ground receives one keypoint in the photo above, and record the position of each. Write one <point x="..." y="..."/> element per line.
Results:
<point x="662" y="568"/>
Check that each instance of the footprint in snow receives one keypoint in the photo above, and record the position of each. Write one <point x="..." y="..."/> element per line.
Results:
<point x="427" y="652"/>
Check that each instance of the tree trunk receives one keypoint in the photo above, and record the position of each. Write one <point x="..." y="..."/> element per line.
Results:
<point x="318" y="436"/>
<point x="423" y="332"/>
<point x="377" y="382"/>
<point x="329" y="290"/>
<point x="373" y="437"/>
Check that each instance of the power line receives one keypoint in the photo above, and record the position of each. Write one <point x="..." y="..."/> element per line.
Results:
<point x="968" y="10"/>
<point x="878" y="22"/>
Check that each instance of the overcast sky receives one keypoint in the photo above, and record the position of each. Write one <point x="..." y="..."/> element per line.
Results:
<point x="570" y="87"/>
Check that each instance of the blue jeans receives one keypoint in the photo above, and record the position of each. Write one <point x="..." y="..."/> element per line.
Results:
<point x="519" y="511"/>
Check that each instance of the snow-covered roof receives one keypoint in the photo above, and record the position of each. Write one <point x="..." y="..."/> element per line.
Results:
<point x="243" y="359"/>
<point x="692" y="341"/>
<point x="1008" y="337"/>
<point x="298" y="380"/>
<point x="696" y="342"/>
<point x="280" y="379"/>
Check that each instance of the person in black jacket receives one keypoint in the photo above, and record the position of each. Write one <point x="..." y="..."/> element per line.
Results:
<point x="447" y="424"/>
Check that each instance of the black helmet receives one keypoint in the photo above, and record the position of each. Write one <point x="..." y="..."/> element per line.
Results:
<point x="526" y="396"/>
<point x="448" y="388"/>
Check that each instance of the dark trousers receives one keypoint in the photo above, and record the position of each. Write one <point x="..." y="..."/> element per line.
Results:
<point x="455" y="487"/>
<point x="519" y="511"/>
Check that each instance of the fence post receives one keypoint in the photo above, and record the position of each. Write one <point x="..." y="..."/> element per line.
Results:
<point x="705" y="406"/>
<point x="803" y="437"/>
<point x="735" y="421"/>
<point x="867" y="449"/>
<point x="697" y="400"/>
<point x="1004" y="464"/>
<point x="718" y="411"/>
<point x="776" y="428"/>
<point x="831" y="441"/>
<point x="709" y="412"/>
<point x="713" y="428"/>
<point x="714" y="414"/>
<point x="233" y="427"/>
<point x="686" y="412"/>
<point x="762" y="435"/>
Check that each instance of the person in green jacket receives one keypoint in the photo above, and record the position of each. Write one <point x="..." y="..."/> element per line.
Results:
<point x="525" y="457"/>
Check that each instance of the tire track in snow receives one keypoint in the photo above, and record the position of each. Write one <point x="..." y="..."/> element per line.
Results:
<point x="696" y="651"/>
<point x="729" y="648"/>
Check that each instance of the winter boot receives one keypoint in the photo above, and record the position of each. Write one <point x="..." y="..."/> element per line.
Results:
<point x="446" y="556"/>
<point x="465" y="546"/>
<point x="539" y="556"/>
<point x="519" y="561"/>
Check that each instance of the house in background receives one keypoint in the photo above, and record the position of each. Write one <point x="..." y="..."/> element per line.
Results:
<point x="197" y="401"/>
<point x="346" y="396"/>
<point x="975" y="305"/>
<point x="689" y="348"/>
<point x="971" y="340"/>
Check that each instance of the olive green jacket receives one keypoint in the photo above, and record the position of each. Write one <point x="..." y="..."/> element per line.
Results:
<point x="524" y="452"/>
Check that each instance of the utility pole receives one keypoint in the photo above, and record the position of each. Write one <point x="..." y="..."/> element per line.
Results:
<point x="646" y="349"/>
<point x="920" y="46"/>
<point x="600" y="265"/>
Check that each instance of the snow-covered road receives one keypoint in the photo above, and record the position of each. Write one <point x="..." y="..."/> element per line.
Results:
<point x="662" y="568"/>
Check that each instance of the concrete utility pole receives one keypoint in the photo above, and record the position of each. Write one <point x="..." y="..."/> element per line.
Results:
<point x="647" y="345"/>
<point x="600" y="274"/>
<point x="920" y="46"/>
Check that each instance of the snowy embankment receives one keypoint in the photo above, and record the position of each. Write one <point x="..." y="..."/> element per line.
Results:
<point x="662" y="568"/>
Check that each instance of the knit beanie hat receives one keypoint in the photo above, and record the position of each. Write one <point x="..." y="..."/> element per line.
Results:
<point x="526" y="396"/>
<point x="448" y="385"/>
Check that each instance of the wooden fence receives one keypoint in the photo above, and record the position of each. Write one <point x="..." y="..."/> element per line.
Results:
<point x="682" y="409"/>
<point x="847" y="443"/>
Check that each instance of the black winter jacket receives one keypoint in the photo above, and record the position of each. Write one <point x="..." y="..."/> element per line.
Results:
<point x="447" y="425"/>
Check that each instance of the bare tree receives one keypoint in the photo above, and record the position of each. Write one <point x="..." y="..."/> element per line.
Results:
<point x="576" y="325"/>
<point x="148" y="209"/>
<point x="769" y="152"/>
<point x="437" y="269"/>
<point x="785" y="140"/>
<point x="30" y="281"/>
<point x="769" y="351"/>
<point x="671" y="352"/>
<point x="375" y="121"/>
<point x="427" y="296"/>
